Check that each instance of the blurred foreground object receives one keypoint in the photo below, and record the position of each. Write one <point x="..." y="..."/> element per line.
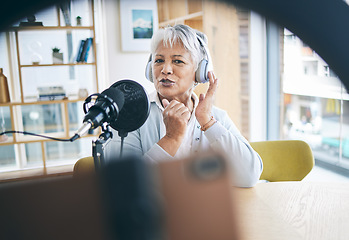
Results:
<point x="125" y="199"/>
<point x="198" y="197"/>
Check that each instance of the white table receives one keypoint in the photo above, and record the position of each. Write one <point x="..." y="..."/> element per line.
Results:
<point x="294" y="210"/>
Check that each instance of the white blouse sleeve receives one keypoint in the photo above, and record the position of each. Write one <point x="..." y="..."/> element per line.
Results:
<point x="246" y="164"/>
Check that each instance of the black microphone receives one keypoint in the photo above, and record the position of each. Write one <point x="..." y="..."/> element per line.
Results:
<point x="105" y="109"/>
<point x="136" y="108"/>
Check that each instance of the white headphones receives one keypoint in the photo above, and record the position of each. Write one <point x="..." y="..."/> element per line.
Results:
<point x="201" y="74"/>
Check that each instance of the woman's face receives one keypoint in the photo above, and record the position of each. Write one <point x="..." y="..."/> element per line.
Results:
<point x="174" y="73"/>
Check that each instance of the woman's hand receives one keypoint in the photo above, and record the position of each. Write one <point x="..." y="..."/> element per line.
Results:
<point x="176" y="116"/>
<point x="203" y="110"/>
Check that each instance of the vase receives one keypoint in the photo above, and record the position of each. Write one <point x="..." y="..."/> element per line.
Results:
<point x="4" y="93"/>
<point x="57" y="58"/>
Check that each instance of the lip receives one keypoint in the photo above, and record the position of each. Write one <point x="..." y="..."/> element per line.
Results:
<point x="166" y="82"/>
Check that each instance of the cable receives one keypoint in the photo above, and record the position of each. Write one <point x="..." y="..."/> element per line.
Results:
<point x="122" y="146"/>
<point x="38" y="135"/>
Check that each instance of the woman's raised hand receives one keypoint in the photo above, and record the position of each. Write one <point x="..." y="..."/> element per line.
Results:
<point x="203" y="110"/>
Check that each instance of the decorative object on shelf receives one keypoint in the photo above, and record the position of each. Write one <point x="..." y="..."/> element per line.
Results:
<point x="57" y="57"/>
<point x="66" y="10"/>
<point x="51" y="93"/>
<point x="34" y="48"/>
<point x="65" y="7"/>
<point x="84" y="49"/>
<point x="31" y="22"/>
<point x="139" y="20"/>
<point x="78" y="21"/>
<point x="83" y="93"/>
<point x="3" y="138"/>
<point x="4" y="92"/>
<point x="36" y="58"/>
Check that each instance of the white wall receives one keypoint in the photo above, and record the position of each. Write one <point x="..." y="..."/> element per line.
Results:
<point x="118" y="64"/>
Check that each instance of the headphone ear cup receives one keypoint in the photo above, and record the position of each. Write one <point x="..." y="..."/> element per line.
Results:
<point x="148" y="71"/>
<point x="201" y="75"/>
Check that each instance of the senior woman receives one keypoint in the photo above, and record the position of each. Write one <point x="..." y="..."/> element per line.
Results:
<point x="180" y="123"/>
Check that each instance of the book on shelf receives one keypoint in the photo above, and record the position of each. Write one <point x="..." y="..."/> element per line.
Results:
<point x="30" y="24"/>
<point x="81" y="47"/>
<point x="84" y="49"/>
<point x="51" y="93"/>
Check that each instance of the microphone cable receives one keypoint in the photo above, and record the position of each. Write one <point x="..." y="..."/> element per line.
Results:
<point x="39" y="135"/>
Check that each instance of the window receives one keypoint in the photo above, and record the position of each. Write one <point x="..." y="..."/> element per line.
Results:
<point x="316" y="105"/>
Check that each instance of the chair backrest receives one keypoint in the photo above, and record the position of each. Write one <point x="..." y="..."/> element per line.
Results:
<point x="84" y="166"/>
<point x="284" y="160"/>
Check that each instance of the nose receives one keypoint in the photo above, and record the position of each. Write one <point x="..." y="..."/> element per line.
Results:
<point x="167" y="69"/>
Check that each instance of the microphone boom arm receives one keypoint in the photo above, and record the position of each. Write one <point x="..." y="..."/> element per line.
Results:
<point x="98" y="147"/>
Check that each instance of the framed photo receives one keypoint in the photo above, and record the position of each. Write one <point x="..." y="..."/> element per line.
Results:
<point x="139" y="20"/>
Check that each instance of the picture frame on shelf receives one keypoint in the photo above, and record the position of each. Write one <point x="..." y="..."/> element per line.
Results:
<point x="139" y="21"/>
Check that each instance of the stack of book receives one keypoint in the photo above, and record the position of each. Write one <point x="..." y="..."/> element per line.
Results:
<point x="51" y="93"/>
<point x="84" y="49"/>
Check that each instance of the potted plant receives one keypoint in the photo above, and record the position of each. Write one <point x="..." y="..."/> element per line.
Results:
<point x="57" y="57"/>
<point x="78" y="21"/>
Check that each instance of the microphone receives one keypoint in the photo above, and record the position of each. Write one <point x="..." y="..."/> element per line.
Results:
<point x="135" y="110"/>
<point x="124" y="106"/>
<point x="105" y="109"/>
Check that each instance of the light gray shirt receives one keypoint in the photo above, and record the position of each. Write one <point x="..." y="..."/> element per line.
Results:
<point x="223" y="136"/>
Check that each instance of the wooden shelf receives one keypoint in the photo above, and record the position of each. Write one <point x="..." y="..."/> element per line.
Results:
<point x="42" y="102"/>
<point x="36" y="173"/>
<point x="193" y="16"/>
<point x="58" y="64"/>
<point x="45" y="28"/>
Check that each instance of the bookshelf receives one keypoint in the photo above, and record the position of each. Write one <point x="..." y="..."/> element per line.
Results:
<point x="56" y="118"/>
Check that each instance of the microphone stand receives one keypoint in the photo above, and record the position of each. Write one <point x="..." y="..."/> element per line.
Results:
<point x="122" y="134"/>
<point x="103" y="139"/>
<point x="98" y="146"/>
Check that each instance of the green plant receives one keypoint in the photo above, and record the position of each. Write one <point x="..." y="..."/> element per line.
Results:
<point x="78" y="18"/>
<point x="56" y="49"/>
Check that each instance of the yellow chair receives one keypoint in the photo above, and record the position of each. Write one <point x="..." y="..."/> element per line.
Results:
<point x="84" y="166"/>
<point x="284" y="160"/>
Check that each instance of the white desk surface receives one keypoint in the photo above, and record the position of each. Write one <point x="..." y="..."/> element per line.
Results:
<point x="294" y="210"/>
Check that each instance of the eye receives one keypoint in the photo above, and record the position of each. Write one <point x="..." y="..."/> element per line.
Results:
<point x="158" y="60"/>
<point x="177" y="61"/>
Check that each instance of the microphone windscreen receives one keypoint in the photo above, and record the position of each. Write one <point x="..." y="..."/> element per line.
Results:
<point x="116" y="95"/>
<point x="136" y="107"/>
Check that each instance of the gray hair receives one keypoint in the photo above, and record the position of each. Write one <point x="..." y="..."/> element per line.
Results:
<point x="180" y="33"/>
